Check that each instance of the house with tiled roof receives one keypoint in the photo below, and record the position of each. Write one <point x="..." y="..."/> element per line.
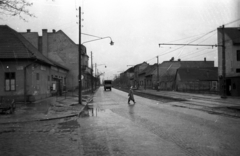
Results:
<point x="137" y="70"/>
<point x="168" y="69"/>
<point x="26" y="74"/>
<point x="197" y="79"/>
<point x="145" y="77"/>
<point x="128" y="76"/>
<point x="57" y="46"/>
<point x="232" y="60"/>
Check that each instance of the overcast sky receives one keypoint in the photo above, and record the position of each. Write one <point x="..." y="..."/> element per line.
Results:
<point x="136" y="27"/>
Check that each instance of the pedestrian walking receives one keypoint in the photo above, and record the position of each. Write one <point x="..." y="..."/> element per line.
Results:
<point x="130" y="96"/>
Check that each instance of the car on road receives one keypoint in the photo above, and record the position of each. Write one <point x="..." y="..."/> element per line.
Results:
<point x="107" y="84"/>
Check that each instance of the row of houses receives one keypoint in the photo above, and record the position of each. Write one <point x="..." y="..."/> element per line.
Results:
<point x="191" y="76"/>
<point x="33" y="67"/>
<point x="172" y="75"/>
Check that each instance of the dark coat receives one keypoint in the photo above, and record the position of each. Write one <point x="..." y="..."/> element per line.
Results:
<point x="130" y="94"/>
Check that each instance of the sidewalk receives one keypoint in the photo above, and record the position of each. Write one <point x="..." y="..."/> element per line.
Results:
<point x="46" y="109"/>
<point x="229" y="101"/>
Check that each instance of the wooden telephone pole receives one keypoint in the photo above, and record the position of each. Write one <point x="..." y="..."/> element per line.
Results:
<point x="80" y="62"/>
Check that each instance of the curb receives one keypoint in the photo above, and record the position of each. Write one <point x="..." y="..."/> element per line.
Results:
<point x="53" y="118"/>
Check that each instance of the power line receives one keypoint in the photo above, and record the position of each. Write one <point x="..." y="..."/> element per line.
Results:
<point x="196" y="40"/>
<point x="207" y="38"/>
<point x="202" y="54"/>
<point x="232" y="22"/>
<point x="151" y="59"/>
<point x="184" y="38"/>
<point x="188" y="43"/>
<point x="193" y="53"/>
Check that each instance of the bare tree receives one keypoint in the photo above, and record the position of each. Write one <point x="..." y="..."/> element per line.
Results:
<point x="15" y="8"/>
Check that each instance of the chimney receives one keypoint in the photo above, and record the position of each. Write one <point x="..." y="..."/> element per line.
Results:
<point x="44" y="42"/>
<point x="53" y="30"/>
<point x="28" y="30"/>
<point x="205" y="59"/>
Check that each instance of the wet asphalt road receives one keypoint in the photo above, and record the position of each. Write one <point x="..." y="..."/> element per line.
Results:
<point x="153" y="127"/>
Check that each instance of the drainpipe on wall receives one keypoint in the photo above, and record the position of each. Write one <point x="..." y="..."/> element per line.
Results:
<point x="25" y="80"/>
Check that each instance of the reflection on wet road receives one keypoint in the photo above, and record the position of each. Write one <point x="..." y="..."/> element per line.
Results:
<point x="154" y="128"/>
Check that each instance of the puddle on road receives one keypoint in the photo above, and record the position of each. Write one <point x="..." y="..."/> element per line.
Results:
<point x="94" y="112"/>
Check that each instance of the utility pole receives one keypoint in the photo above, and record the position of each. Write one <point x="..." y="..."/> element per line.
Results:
<point x="157" y="74"/>
<point x="223" y="65"/>
<point x="80" y="62"/>
<point x="95" y="75"/>
<point x="92" y="71"/>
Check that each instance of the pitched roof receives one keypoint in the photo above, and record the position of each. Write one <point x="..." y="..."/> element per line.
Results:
<point x="168" y="69"/>
<point x="198" y="74"/>
<point x="14" y="46"/>
<point x="151" y="70"/>
<point x="233" y="33"/>
<point x="148" y="70"/>
<point x="130" y="70"/>
<point x="139" y="64"/>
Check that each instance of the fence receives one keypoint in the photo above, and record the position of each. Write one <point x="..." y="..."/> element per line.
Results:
<point x="198" y="87"/>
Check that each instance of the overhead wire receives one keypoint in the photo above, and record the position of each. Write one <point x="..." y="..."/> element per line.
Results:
<point x="186" y="55"/>
<point x="232" y="21"/>
<point x="199" y="38"/>
<point x="188" y="43"/>
<point x="193" y="53"/>
<point x="202" y="54"/>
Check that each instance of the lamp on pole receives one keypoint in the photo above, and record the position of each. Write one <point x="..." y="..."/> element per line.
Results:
<point x="102" y="65"/>
<point x="80" y="54"/>
<point x="100" y="38"/>
<point x="96" y="71"/>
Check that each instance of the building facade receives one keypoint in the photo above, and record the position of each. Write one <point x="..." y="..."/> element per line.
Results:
<point x="168" y="70"/>
<point x="232" y="60"/>
<point x="57" y="46"/>
<point x="27" y="75"/>
<point x="137" y="70"/>
<point x="198" y="80"/>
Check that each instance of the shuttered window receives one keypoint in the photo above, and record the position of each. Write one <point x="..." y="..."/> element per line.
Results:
<point x="10" y="82"/>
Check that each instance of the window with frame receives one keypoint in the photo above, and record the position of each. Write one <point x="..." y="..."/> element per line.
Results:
<point x="238" y="55"/>
<point x="10" y="81"/>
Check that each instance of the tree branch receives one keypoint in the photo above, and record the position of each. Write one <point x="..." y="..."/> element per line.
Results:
<point x="15" y="8"/>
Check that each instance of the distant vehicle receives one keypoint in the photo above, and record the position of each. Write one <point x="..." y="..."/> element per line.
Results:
<point x="107" y="84"/>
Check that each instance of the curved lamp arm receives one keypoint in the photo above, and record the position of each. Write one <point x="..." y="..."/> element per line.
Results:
<point x="111" y="43"/>
<point x="102" y="65"/>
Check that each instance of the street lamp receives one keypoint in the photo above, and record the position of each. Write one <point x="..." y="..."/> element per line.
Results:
<point x="96" y="71"/>
<point x="100" y="38"/>
<point x="80" y="54"/>
<point x="102" y="65"/>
